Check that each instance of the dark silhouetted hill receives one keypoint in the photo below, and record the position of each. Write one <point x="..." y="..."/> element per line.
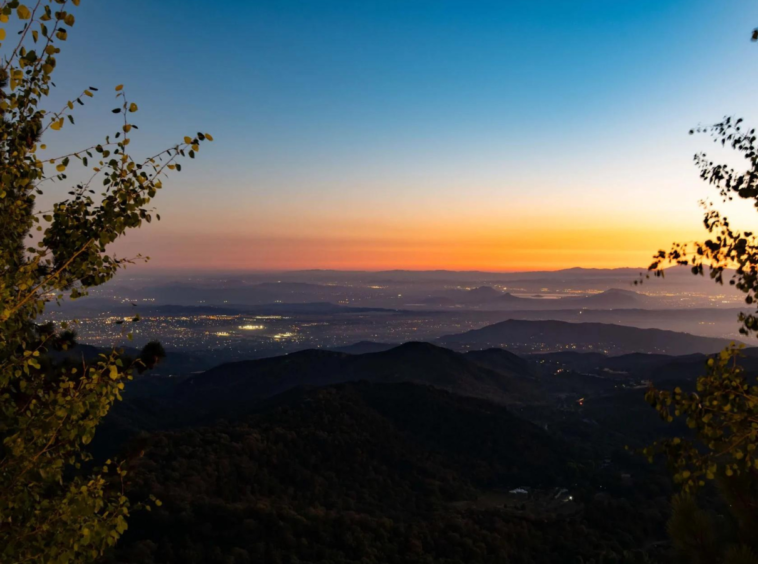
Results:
<point x="523" y="336"/>
<point x="615" y="299"/>
<point x="421" y="363"/>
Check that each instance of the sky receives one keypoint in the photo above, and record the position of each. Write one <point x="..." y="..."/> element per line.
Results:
<point x="416" y="134"/>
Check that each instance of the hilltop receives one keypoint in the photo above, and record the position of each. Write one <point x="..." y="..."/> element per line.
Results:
<point x="421" y="363"/>
<point x="546" y="336"/>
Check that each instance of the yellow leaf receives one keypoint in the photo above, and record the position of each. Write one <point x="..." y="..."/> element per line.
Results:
<point x="56" y="125"/>
<point x="88" y="93"/>
<point x="209" y="137"/>
<point x="119" y="87"/>
<point x="187" y="139"/>
<point x="114" y="372"/>
<point x="70" y="105"/>
<point x="23" y="12"/>
<point x="76" y="2"/>
<point x="60" y="168"/>
<point x="132" y="107"/>
<point x="2" y="35"/>
<point x="3" y="18"/>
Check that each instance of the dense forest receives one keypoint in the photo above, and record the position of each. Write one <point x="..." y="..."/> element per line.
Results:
<point x="391" y="472"/>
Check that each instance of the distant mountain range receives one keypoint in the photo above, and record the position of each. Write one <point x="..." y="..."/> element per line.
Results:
<point x="490" y="298"/>
<point x="462" y="276"/>
<point x="473" y="297"/>
<point x="545" y="336"/>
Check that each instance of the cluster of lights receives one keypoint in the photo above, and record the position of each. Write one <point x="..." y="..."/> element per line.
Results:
<point x="250" y="327"/>
<point x="280" y="336"/>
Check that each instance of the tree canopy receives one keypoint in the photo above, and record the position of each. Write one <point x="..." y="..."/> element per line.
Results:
<point x="51" y="508"/>
<point x="722" y="412"/>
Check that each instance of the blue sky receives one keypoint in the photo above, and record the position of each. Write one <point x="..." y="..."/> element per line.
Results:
<point x="347" y="130"/>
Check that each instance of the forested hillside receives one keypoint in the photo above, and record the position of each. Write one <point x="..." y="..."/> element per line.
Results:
<point x="383" y="473"/>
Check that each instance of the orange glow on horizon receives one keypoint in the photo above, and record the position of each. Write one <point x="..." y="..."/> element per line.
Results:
<point x="510" y="250"/>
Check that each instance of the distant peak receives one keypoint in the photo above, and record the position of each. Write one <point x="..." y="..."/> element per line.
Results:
<point x="620" y="291"/>
<point x="418" y="348"/>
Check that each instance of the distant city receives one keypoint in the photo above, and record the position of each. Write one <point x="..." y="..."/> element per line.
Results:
<point x="256" y="315"/>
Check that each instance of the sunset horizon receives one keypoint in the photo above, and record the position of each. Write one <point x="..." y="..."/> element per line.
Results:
<point x="516" y="136"/>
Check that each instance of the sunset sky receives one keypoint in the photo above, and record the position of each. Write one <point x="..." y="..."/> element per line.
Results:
<point x="356" y="134"/>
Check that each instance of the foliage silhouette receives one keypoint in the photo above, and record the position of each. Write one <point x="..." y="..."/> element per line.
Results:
<point x="50" y="509"/>
<point x="723" y="411"/>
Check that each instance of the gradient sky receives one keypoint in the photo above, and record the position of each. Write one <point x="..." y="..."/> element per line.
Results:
<point x="497" y="135"/>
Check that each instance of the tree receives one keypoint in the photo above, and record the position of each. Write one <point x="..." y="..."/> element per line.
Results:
<point x="51" y="509"/>
<point x="723" y="411"/>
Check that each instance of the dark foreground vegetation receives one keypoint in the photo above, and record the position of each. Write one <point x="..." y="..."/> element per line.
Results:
<point x="392" y="471"/>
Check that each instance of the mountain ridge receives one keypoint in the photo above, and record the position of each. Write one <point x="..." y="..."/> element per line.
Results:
<point x="548" y="336"/>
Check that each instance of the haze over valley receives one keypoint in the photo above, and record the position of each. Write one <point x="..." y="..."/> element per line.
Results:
<point x="255" y="315"/>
